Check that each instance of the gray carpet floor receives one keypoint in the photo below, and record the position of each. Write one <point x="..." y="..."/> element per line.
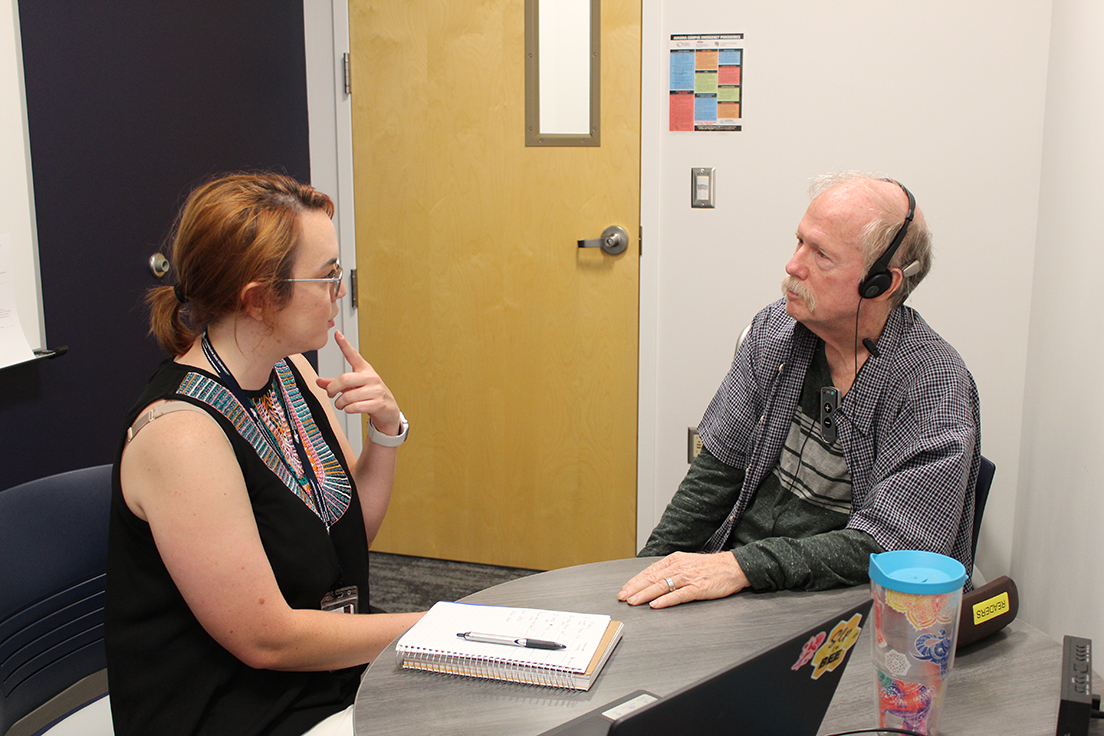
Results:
<point x="401" y="584"/>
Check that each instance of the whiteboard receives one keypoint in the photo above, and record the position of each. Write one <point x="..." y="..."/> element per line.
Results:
<point x="17" y="220"/>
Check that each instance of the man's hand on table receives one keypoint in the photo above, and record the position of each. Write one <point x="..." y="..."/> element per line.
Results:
<point x="694" y="577"/>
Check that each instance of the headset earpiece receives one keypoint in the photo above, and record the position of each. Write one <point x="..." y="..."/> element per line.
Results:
<point x="879" y="278"/>
<point x="874" y="285"/>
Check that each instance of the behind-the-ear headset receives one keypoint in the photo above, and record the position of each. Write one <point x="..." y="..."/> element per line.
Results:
<point x="879" y="278"/>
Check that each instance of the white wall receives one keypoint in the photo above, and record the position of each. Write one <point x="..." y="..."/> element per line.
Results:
<point x="946" y="96"/>
<point x="1059" y="548"/>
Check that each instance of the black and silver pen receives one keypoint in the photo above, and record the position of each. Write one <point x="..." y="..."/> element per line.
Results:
<point x="512" y="641"/>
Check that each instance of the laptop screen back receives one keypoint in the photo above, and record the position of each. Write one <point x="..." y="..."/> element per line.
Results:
<point x="783" y="691"/>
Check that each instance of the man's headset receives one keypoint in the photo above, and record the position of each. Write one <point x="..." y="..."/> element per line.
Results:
<point x="879" y="278"/>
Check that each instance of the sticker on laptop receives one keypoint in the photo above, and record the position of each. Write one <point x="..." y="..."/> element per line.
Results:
<point x="809" y="650"/>
<point x="827" y="651"/>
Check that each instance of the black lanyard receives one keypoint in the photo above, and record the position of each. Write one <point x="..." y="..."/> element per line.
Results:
<point x="309" y="482"/>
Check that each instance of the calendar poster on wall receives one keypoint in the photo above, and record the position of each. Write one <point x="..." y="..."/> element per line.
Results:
<point x="706" y="81"/>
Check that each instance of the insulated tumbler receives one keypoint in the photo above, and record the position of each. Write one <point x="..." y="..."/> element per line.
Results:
<point x="917" y="597"/>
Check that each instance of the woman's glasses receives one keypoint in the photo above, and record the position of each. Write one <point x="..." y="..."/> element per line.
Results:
<point x="334" y="280"/>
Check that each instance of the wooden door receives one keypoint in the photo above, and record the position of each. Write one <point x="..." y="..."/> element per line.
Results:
<point x="512" y="351"/>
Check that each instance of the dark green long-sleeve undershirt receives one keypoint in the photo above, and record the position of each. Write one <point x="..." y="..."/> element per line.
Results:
<point x="788" y="558"/>
<point x="781" y="541"/>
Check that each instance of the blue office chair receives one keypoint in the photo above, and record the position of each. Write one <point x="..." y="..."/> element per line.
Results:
<point x="53" y="563"/>
<point x="981" y="495"/>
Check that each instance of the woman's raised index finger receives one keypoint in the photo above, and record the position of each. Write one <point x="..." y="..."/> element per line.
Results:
<point x="354" y="358"/>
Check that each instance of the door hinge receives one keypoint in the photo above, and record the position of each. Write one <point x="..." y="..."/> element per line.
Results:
<point x="347" y="70"/>
<point x="640" y="239"/>
<point x="353" y="288"/>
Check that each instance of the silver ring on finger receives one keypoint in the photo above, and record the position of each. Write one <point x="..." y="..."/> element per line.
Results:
<point x="670" y="585"/>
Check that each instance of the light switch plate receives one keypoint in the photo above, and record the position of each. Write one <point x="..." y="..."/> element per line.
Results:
<point x="702" y="186"/>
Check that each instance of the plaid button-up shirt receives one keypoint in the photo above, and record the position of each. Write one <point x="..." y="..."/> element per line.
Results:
<point x="910" y="428"/>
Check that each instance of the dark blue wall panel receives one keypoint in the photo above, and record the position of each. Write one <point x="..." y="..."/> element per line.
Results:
<point x="130" y="103"/>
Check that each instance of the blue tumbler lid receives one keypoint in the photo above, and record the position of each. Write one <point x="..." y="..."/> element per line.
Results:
<point x="913" y="571"/>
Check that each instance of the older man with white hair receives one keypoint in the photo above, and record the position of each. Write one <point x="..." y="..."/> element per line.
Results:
<point x="845" y="426"/>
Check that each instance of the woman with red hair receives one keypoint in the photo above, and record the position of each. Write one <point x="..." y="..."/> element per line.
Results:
<point x="241" y="515"/>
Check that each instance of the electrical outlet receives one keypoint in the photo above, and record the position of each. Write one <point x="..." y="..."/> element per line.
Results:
<point x="693" y="444"/>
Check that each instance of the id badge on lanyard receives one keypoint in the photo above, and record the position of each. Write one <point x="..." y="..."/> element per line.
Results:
<point x="342" y="600"/>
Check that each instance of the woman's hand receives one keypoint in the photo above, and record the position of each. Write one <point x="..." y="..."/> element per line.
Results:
<point x="361" y="390"/>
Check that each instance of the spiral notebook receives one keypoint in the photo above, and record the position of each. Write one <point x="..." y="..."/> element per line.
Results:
<point x="434" y="644"/>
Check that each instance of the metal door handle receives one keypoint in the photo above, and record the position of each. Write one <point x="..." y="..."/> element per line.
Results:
<point x="614" y="240"/>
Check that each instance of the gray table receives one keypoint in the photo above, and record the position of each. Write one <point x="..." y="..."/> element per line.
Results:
<point x="1007" y="684"/>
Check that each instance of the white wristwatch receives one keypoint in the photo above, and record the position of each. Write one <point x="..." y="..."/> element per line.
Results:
<point x="386" y="440"/>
